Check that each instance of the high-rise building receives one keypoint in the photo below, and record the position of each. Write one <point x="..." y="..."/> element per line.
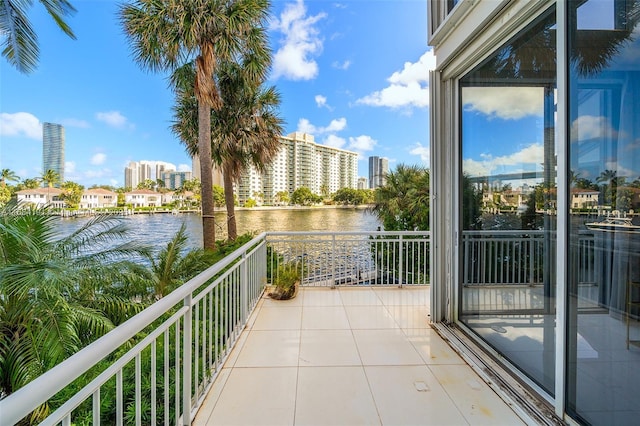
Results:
<point x="362" y="183"/>
<point x="378" y="169"/>
<point x="300" y="162"/>
<point x="53" y="149"/>
<point x="162" y="168"/>
<point x="175" y="180"/>
<point x="136" y="173"/>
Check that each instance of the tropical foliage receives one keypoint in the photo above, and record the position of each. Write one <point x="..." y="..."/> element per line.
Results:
<point x="304" y="197"/>
<point x="7" y="175"/>
<point x="58" y="293"/>
<point x="402" y="204"/>
<point x="174" y="265"/>
<point x="353" y="196"/>
<point x="20" y="41"/>
<point x="72" y="194"/>
<point x="50" y="178"/>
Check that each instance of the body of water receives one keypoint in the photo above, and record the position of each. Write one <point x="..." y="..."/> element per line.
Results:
<point x="158" y="229"/>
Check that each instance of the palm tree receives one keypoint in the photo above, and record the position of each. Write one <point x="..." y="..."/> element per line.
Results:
<point x="245" y="131"/>
<point x="50" y="178"/>
<point x="402" y="204"/>
<point x="608" y="178"/>
<point x="166" y="35"/>
<point x="20" y="40"/>
<point x="172" y="266"/>
<point x="29" y="183"/>
<point x="7" y="175"/>
<point x="58" y="293"/>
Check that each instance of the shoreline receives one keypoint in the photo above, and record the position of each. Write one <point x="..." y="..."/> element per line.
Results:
<point x="65" y="213"/>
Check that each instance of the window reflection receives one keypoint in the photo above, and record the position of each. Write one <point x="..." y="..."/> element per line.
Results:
<point x="507" y="291"/>
<point x="604" y="149"/>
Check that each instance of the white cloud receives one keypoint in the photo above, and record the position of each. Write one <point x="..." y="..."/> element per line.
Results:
<point x="69" y="168"/>
<point x="113" y="119"/>
<point x="334" y="141"/>
<point x="98" y="159"/>
<point x="74" y="122"/>
<point x="97" y="174"/>
<point x="421" y="151"/>
<point x="20" y="124"/>
<point x="341" y="65"/>
<point x="321" y="101"/>
<point x="336" y="125"/>
<point x="361" y="143"/>
<point x="305" y="126"/>
<point x="299" y="45"/>
<point x="529" y="155"/>
<point x="184" y="167"/>
<point x="507" y="103"/>
<point x="408" y="87"/>
<point x="588" y="127"/>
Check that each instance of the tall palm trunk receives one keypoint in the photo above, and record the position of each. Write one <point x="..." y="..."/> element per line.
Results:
<point x="232" y="230"/>
<point x="206" y="178"/>
<point x="208" y="98"/>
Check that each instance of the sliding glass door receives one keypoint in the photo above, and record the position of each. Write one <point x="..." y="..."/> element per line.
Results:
<point x="508" y="201"/>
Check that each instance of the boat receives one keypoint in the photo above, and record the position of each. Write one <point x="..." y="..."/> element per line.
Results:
<point x="616" y="224"/>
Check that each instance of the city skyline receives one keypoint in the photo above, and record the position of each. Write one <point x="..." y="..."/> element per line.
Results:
<point x="331" y="83"/>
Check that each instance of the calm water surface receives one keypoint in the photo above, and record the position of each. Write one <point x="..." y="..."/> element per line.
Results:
<point x="158" y="229"/>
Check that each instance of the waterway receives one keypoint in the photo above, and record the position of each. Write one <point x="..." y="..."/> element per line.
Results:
<point x="157" y="229"/>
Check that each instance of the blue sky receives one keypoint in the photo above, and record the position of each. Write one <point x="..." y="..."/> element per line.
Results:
<point x="352" y="73"/>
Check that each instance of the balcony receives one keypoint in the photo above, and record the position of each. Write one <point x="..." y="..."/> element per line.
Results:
<point x="355" y="347"/>
<point x="350" y="355"/>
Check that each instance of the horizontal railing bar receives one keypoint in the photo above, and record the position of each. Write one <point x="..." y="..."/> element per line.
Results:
<point x="20" y="403"/>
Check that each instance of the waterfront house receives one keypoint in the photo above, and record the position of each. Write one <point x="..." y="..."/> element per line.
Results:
<point x="40" y="197"/>
<point x="143" y="198"/>
<point x="98" y="198"/>
<point x="181" y="198"/>
<point x="584" y="198"/>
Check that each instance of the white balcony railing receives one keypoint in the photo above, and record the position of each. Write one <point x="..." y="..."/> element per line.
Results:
<point x="157" y="367"/>
<point x="138" y="373"/>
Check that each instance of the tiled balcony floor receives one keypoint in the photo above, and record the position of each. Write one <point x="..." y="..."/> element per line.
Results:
<point x="349" y="356"/>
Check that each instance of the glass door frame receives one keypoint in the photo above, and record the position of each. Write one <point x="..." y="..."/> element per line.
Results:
<point x="445" y="125"/>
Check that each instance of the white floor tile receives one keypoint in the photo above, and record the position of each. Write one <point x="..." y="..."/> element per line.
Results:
<point x="256" y="396"/>
<point x="322" y="297"/>
<point x="328" y="348"/>
<point x="279" y="348"/>
<point x="407" y="316"/>
<point x="411" y="395"/>
<point x="370" y="317"/>
<point x="355" y="296"/>
<point x="324" y="318"/>
<point x="385" y="347"/>
<point x="279" y="318"/>
<point x="334" y="396"/>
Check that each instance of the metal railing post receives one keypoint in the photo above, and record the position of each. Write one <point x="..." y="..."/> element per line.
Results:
<point x="333" y="264"/>
<point x="244" y="286"/>
<point x="186" y="361"/>
<point x="401" y="261"/>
